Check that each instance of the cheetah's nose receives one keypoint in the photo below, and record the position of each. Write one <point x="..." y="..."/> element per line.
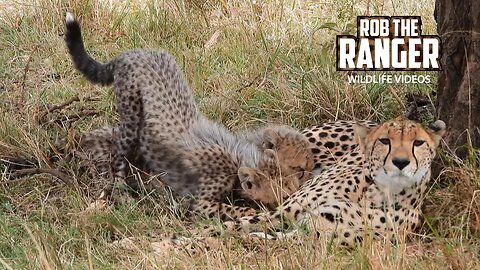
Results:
<point x="400" y="162"/>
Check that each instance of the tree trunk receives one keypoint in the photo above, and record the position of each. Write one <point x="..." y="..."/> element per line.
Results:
<point x="458" y="24"/>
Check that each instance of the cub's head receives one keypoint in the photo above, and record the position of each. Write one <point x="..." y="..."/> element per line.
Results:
<point x="399" y="152"/>
<point x="295" y="158"/>
<point x="266" y="184"/>
<point x="286" y="163"/>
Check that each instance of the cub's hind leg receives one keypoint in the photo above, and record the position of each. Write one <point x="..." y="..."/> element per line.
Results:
<point x="129" y="106"/>
<point x="127" y="140"/>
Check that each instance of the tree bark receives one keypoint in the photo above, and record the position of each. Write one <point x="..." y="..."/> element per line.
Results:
<point x="458" y="95"/>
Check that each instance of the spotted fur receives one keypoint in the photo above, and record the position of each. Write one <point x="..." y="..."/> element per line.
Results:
<point x="377" y="185"/>
<point x="162" y="131"/>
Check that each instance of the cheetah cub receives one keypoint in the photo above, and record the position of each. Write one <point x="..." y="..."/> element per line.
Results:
<point x="161" y="124"/>
<point x="266" y="185"/>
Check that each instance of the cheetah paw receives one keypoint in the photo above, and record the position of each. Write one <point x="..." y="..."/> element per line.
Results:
<point x="263" y="235"/>
<point x="229" y="226"/>
<point x="191" y="245"/>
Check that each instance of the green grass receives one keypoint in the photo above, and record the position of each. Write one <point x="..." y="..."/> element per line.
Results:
<point x="248" y="63"/>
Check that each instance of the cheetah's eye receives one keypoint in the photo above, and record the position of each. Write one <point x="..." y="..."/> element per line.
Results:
<point x="385" y="141"/>
<point x="418" y="142"/>
<point x="301" y="171"/>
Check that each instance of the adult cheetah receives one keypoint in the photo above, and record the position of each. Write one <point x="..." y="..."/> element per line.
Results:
<point x="371" y="180"/>
<point x="161" y="128"/>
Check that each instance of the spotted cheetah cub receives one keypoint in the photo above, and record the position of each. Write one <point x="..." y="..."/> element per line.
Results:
<point x="162" y="128"/>
<point x="266" y="185"/>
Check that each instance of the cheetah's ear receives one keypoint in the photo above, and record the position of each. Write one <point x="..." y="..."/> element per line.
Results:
<point x="270" y="158"/>
<point x="270" y="138"/>
<point x="437" y="130"/>
<point x="361" y="131"/>
<point x="248" y="178"/>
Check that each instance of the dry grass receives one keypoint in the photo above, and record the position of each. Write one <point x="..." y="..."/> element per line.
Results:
<point x="249" y="63"/>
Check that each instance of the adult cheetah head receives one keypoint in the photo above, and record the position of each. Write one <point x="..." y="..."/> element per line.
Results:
<point x="399" y="152"/>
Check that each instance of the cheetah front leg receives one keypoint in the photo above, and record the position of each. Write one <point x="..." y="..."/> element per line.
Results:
<point x="213" y="191"/>
<point x="211" y="208"/>
<point x="267" y="225"/>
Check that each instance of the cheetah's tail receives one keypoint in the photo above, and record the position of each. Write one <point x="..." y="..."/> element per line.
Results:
<point x="91" y="69"/>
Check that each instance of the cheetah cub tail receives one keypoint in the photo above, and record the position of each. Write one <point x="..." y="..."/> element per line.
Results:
<point x="91" y="69"/>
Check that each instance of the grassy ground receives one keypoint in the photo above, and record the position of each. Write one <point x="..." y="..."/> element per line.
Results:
<point x="249" y="63"/>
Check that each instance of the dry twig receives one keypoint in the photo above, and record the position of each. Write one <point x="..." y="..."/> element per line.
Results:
<point x="57" y="107"/>
<point x="32" y="171"/>
<point x="24" y="77"/>
<point x="76" y="116"/>
<point x="83" y="113"/>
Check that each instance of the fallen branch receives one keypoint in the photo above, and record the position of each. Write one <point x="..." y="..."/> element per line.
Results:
<point x="248" y="84"/>
<point x="41" y="118"/>
<point x="57" y="107"/>
<point x="75" y="117"/>
<point x="58" y="174"/>
<point x="17" y="163"/>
